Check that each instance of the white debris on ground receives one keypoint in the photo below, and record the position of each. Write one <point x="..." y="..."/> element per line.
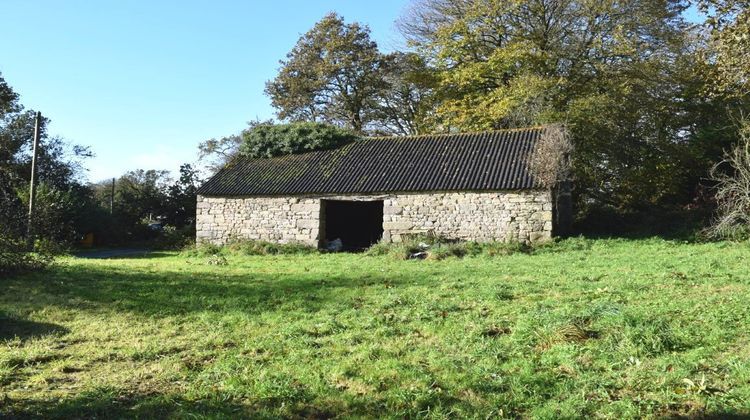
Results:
<point x="335" y="245"/>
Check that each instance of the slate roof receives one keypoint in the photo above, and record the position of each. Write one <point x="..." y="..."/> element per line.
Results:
<point x="484" y="161"/>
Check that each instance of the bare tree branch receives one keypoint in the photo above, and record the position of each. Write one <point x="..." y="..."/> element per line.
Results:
<point x="550" y="161"/>
<point x="732" y="176"/>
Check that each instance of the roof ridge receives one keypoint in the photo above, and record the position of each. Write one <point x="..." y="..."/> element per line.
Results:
<point x="359" y="140"/>
<point x="460" y="133"/>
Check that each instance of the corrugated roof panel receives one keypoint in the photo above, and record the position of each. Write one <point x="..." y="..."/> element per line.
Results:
<point x="446" y="162"/>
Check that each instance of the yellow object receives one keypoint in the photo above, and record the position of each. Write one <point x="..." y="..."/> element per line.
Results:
<point x="88" y="240"/>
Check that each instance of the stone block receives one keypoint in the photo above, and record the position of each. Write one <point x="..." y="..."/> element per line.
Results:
<point x="388" y="210"/>
<point x="307" y="223"/>
<point x="397" y="225"/>
<point x="305" y="208"/>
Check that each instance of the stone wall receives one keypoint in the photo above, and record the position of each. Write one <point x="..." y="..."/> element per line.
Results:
<point x="274" y="219"/>
<point x="477" y="216"/>
<point x="482" y="217"/>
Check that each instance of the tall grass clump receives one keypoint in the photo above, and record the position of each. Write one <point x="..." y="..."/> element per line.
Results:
<point x="641" y="335"/>
<point x="435" y="248"/>
<point x="499" y="249"/>
<point x="202" y="249"/>
<point x="441" y="251"/>
<point x="576" y="243"/>
<point x="254" y="247"/>
<point x="247" y="248"/>
<point x="399" y="250"/>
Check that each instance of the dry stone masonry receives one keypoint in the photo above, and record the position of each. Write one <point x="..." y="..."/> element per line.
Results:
<point x="482" y="217"/>
<point x="524" y="216"/>
<point x="275" y="219"/>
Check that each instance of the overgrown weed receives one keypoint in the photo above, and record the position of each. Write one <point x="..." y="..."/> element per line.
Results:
<point x="436" y="248"/>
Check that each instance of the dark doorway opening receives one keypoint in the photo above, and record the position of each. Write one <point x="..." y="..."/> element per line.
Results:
<point x="358" y="224"/>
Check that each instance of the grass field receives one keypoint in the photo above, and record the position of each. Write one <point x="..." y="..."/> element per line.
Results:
<point x="595" y="328"/>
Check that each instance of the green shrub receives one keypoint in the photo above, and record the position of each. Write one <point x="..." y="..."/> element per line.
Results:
<point x="202" y="249"/>
<point x="175" y="238"/>
<point x="268" y="140"/>
<point x="14" y="257"/>
<point x="379" y="249"/>
<point x="49" y="247"/>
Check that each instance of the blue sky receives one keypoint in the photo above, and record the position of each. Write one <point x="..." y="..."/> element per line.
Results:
<point x="143" y="82"/>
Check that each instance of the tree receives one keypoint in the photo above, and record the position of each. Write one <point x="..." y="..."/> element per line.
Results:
<point x="729" y="48"/>
<point x="140" y="194"/>
<point x="12" y="215"/>
<point x="218" y="152"/>
<point x="8" y="99"/>
<point x="506" y="63"/>
<point x="621" y="75"/>
<point x="61" y="196"/>
<point x="333" y="75"/>
<point x="180" y="204"/>
<point x="143" y="197"/>
<point x="404" y="106"/>
<point x="59" y="172"/>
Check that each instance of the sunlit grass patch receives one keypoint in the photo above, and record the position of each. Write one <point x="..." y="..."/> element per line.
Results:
<point x="578" y="328"/>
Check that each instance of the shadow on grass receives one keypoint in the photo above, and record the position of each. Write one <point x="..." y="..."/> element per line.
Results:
<point x="120" y="253"/>
<point x="166" y="293"/>
<point x="11" y="328"/>
<point x="108" y="403"/>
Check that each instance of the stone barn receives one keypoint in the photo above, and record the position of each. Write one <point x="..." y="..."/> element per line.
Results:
<point x="476" y="187"/>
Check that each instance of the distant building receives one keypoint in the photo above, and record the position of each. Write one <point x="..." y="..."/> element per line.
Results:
<point x="474" y="186"/>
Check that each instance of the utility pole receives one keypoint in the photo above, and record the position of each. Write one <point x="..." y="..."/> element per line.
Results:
<point x="112" y="198"/>
<point x="32" y="185"/>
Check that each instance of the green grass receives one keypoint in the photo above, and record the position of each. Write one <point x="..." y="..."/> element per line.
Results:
<point x="605" y="328"/>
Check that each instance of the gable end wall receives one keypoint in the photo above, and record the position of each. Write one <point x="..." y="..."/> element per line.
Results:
<point x="524" y="216"/>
